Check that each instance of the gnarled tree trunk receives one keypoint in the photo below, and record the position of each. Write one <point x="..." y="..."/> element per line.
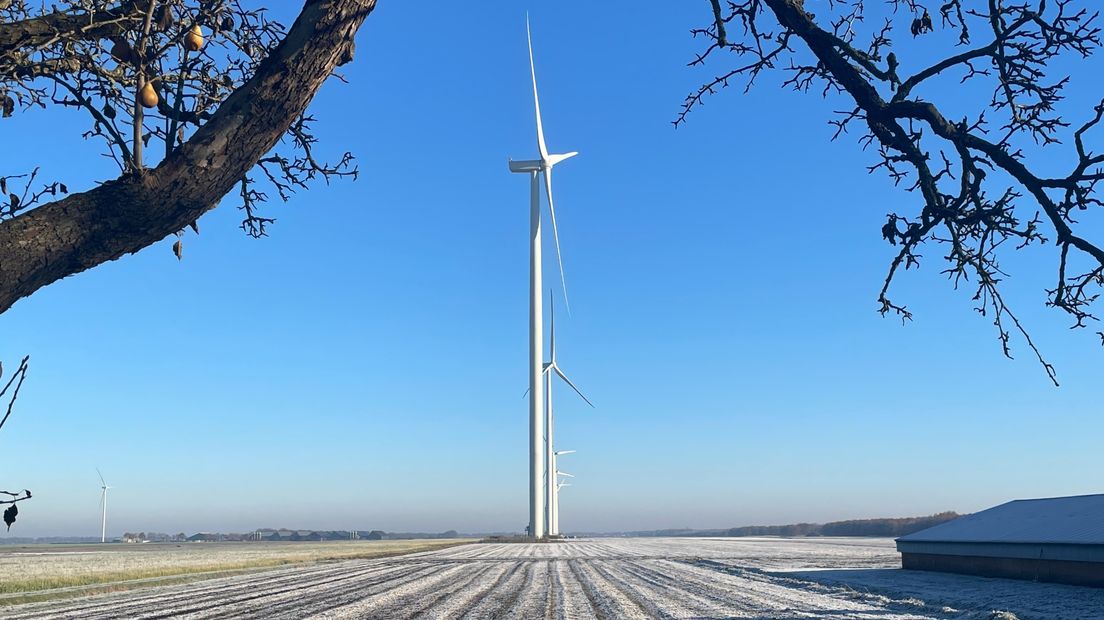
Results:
<point x="86" y="229"/>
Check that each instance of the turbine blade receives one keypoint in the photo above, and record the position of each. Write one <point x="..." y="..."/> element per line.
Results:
<point x="554" y="159"/>
<point x="556" y="235"/>
<point x="544" y="371"/>
<point x="565" y="452"/>
<point x="568" y="381"/>
<point x="536" y="99"/>
<point x="564" y="473"/>
<point x="101" y="477"/>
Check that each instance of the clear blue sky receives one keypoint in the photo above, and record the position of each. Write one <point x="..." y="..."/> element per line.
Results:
<point x="364" y="366"/>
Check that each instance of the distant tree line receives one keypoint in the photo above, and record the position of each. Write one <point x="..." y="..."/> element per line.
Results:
<point x="885" y="527"/>
<point x="270" y="534"/>
<point x="793" y="529"/>
<point x="854" y="527"/>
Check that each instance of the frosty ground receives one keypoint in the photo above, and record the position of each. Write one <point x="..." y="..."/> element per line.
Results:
<point x="30" y="571"/>
<point x="759" y="578"/>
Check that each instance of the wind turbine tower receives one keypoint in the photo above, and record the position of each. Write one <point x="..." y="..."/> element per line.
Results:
<point x="538" y="526"/>
<point x="103" y="505"/>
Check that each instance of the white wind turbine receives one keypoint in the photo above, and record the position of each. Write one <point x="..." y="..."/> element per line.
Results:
<point x="555" y="527"/>
<point x="556" y="514"/>
<point x="103" y="505"/>
<point x="534" y="168"/>
<point x="549" y="428"/>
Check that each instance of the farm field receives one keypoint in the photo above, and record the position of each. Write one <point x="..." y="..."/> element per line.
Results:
<point x="758" y="578"/>
<point x="29" y="569"/>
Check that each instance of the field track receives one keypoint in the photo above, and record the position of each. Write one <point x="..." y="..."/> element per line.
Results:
<point x="616" y="579"/>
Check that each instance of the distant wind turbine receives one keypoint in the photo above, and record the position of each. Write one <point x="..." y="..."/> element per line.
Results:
<point x="535" y="168"/>
<point x="103" y="505"/>
<point x="559" y="485"/>
<point x="551" y="367"/>
<point x="556" y="491"/>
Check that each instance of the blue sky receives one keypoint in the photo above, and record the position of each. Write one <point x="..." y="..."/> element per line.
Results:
<point x="364" y="365"/>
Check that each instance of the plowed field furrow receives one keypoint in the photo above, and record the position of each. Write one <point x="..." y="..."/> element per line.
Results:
<point x="460" y="600"/>
<point x="395" y="601"/>
<point x="606" y="598"/>
<point x="668" y="596"/>
<point x="273" y="599"/>
<point x="532" y="600"/>
<point x="166" y="595"/>
<point x="299" y="602"/>
<point x="571" y="599"/>
<point x="502" y="599"/>
<point x="301" y="593"/>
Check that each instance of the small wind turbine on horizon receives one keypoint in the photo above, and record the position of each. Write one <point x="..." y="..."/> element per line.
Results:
<point x="103" y="505"/>
<point x="538" y="480"/>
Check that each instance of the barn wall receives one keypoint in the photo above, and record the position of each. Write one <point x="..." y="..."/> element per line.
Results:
<point x="1025" y="550"/>
<point x="1056" y="571"/>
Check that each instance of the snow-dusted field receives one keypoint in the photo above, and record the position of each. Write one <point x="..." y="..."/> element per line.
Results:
<point x="605" y="578"/>
<point x="30" y="568"/>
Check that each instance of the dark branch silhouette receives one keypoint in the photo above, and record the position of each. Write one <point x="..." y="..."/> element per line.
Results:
<point x="20" y="374"/>
<point x="979" y="193"/>
<point x="17" y="379"/>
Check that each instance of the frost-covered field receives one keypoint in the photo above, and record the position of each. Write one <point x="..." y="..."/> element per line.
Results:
<point x="604" y="578"/>
<point x="31" y="568"/>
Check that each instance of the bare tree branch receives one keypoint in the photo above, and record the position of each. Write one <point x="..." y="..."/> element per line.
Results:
<point x="965" y="208"/>
<point x="21" y="374"/>
<point x="238" y="110"/>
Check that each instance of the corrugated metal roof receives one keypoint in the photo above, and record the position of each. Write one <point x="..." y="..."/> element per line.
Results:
<point x="1058" y="520"/>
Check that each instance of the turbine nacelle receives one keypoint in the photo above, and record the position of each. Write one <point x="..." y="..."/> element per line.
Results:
<point x="539" y="165"/>
<point x="525" y="165"/>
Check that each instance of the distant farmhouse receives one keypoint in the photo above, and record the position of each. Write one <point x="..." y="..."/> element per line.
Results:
<point x="1059" y="539"/>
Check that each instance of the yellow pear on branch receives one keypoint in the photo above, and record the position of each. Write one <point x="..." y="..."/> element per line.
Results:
<point x="193" y="41"/>
<point x="148" y="95"/>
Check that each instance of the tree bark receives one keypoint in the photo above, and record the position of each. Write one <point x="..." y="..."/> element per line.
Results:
<point x="98" y="25"/>
<point x="138" y="209"/>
